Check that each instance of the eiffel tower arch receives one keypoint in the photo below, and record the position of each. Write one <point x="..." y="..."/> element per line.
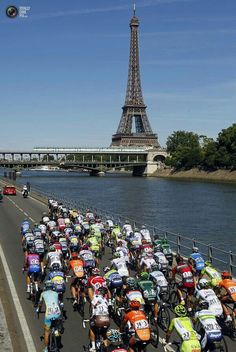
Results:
<point x="134" y="128"/>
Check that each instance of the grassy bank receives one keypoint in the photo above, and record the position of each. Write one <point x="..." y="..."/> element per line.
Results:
<point x="217" y="176"/>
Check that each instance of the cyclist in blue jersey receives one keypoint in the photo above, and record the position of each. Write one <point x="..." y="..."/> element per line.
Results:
<point x="197" y="261"/>
<point x="50" y="298"/>
<point x="25" y="226"/>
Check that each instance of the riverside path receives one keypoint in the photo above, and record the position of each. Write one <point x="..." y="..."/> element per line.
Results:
<point x="24" y="327"/>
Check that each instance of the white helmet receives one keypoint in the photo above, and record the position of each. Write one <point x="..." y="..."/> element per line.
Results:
<point x="203" y="283"/>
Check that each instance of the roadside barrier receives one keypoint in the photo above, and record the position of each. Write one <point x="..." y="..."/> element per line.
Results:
<point x="224" y="260"/>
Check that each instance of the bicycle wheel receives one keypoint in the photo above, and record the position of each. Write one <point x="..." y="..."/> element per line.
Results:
<point x="223" y="347"/>
<point x="52" y="345"/>
<point x="154" y="335"/>
<point x="164" y="318"/>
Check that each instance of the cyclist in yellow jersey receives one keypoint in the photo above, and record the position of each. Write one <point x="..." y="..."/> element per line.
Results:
<point x="211" y="274"/>
<point x="183" y="326"/>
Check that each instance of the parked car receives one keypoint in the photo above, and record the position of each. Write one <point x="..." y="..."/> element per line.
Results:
<point x="9" y="190"/>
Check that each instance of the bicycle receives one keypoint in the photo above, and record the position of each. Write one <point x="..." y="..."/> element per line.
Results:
<point x="56" y="331"/>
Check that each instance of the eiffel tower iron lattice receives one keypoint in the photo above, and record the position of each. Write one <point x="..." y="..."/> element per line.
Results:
<point x="134" y="107"/>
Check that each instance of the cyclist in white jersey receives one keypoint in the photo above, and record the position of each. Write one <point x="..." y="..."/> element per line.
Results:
<point x="212" y="331"/>
<point x="53" y="257"/>
<point x="206" y="294"/>
<point x="145" y="234"/>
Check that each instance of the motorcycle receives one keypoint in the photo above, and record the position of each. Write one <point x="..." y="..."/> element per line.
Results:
<point x="25" y="193"/>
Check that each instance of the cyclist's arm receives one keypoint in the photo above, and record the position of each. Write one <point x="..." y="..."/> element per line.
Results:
<point x="170" y="329"/>
<point x="123" y="323"/>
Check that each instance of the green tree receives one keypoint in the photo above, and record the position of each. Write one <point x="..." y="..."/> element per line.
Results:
<point x="209" y="152"/>
<point x="184" y="148"/>
<point x="227" y="147"/>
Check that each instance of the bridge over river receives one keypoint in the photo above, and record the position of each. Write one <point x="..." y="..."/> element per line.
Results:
<point x="142" y="161"/>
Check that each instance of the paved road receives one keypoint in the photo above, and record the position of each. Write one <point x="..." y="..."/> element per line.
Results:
<point x="12" y="211"/>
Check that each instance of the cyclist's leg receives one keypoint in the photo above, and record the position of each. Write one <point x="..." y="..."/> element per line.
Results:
<point x="47" y="326"/>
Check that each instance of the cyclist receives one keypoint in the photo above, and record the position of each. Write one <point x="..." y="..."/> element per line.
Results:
<point x="160" y="283"/>
<point x="57" y="277"/>
<point x="77" y="266"/>
<point x="187" y="282"/>
<point x="120" y="264"/>
<point x="205" y="294"/>
<point x="184" y="328"/>
<point x="147" y="288"/>
<point x="100" y="320"/>
<point x="25" y="226"/>
<point x="211" y="333"/>
<point x="32" y="263"/>
<point x="95" y="281"/>
<point x="227" y="294"/>
<point x="196" y="261"/>
<point x="50" y="297"/>
<point x="145" y="234"/>
<point x="53" y="257"/>
<point x="140" y="329"/>
<point x="210" y="273"/>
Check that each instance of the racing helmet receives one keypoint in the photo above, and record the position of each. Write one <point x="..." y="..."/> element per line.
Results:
<point x="74" y="255"/>
<point x="127" y="222"/>
<point x="195" y="249"/>
<point x="180" y="310"/>
<point x="208" y="263"/>
<point x="48" y="285"/>
<point x="106" y="269"/>
<point x="179" y="259"/>
<point x="144" y="275"/>
<point x="154" y="267"/>
<point x="52" y="249"/>
<point x="130" y="282"/>
<point x="95" y="271"/>
<point x="134" y="304"/>
<point x="226" y="275"/>
<point x="203" y="283"/>
<point x="143" y="227"/>
<point x="116" y="255"/>
<point x="85" y="246"/>
<point x="113" y="335"/>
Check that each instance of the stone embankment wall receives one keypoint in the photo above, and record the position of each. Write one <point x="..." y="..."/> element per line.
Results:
<point x="217" y="176"/>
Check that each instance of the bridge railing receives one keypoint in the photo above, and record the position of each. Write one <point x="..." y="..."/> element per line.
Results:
<point x="224" y="260"/>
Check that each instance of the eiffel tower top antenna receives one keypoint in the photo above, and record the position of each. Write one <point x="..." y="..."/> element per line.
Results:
<point x="134" y="7"/>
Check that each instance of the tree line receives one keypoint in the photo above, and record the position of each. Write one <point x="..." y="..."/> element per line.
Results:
<point x="189" y="150"/>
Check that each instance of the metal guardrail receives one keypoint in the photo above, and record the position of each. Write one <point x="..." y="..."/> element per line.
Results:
<point x="224" y="260"/>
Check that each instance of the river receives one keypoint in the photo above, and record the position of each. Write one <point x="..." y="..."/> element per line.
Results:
<point x="203" y="210"/>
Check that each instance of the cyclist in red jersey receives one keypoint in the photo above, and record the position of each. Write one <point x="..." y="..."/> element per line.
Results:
<point x="187" y="281"/>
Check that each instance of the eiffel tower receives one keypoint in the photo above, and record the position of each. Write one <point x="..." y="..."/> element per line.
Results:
<point x="134" y="107"/>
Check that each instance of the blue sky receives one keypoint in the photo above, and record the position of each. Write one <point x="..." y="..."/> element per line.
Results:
<point x="64" y="69"/>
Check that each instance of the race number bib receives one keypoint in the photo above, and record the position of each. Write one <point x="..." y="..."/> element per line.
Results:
<point x="53" y="310"/>
<point x="78" y="269"/>
<point x="141" y="324"/>
<point x="232" y="289"/>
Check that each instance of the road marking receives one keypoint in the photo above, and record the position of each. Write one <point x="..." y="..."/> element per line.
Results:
<point x="24" y="326"/>
<point x="21" y="210"/>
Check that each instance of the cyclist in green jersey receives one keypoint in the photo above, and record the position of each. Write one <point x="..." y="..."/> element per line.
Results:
<point x="211" y="274"/>
<point x="184" y="328"/>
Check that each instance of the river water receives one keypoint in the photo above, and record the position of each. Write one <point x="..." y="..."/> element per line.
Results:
<point x="203" y="210"/>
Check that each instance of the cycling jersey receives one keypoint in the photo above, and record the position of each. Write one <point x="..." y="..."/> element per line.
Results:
<point x="147" y="261"/>
<point x="25" y="226"/>
<point x="77" y="265"/>
<point x="210" y="326"/>
<point x="139" y="322"/>
<point x="230" y="287"/>
<point x="184" y="328"/>
<point x="33" y="263"/>
<point x="99" y="305"/>
<point x="146" y="235"/>
<point x="212" y="274"/>
<point x="209" y="296"/>
<point x="54" y="258"/>
<point x="96" y="282"/>
<point x="39" y="246"/>
<point x="121" y="267"/>
<point x="198" y="261"/>
<point x="43" y="229"/>
<point x="147" y="289"/>
<point x="57" y="278"/>
<point x="161" y="260"/>
<point x="185" y="271"/>
<point x="52" y="306"/>
<point x="160" y="280"/>
<point x="61" y="224"/>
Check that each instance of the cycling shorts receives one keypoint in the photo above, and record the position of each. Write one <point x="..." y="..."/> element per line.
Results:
<point x="48" y="319"/>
